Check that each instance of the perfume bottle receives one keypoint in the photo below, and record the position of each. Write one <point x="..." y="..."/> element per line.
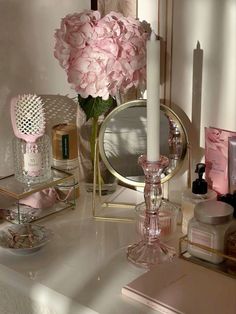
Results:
<point x="32" y="161"/>
<point x="191" y="197"/>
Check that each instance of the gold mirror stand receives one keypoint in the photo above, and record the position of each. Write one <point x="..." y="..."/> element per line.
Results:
<point x="112" y="205"/>
<point x="97" y="181"/>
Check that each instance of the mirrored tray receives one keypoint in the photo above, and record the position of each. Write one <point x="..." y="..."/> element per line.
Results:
<point x="224" y="267"/>
<point x="12" y="187"/>
<point x="16" y="212"/>
<point x="24" y="238"/>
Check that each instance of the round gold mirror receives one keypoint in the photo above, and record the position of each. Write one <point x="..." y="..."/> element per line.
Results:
<point x="123" y="138"/>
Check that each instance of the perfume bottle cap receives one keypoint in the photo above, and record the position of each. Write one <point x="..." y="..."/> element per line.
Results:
<point x="199" y="186"/>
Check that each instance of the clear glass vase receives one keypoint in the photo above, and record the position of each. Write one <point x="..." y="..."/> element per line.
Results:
<point x="32" y="161"/>
<point x="104" y="180"/>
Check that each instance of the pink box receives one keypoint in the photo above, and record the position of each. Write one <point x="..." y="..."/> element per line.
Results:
<point x="216" y="158"/>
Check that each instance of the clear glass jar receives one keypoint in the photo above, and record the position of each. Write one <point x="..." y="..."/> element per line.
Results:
<point x="208" y="227"/>
<point x="168" y="215"/>
<point x="32" y="161"/>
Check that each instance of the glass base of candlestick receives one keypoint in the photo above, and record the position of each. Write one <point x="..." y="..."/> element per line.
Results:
<point x="147" y="255"/>
<point x="150" y="251"/>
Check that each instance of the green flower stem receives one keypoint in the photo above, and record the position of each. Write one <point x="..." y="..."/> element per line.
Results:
<point x="93" y="137"/>
<point x="93" y="108"/>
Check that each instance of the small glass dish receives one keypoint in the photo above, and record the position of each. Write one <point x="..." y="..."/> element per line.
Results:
<point x="26" y="214"/>
<point x="24" y="238"/>
<point x="168" y="215"/>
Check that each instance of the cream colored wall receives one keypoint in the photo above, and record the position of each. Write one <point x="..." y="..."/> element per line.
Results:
<point x="204" y="86"/>
<point x="27" y="64"/>
<point x="148" y="11"/>
<point x="126" y="7"/>
<point x="213" y="24"/>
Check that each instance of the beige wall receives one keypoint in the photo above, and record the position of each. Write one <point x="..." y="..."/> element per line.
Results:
<point x="213" y="24"/>
<point x="204" y="79"/>
<point x="27" y="64"/>
<point x="126" y="7"/>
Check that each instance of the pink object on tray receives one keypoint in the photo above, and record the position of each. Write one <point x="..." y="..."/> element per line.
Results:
<point x="216" y="159"/>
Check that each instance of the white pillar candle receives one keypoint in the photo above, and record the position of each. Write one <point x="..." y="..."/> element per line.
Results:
<point x="153" y="98"/>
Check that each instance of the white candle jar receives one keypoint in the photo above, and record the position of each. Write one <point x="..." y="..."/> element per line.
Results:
<point x="208" y="227"/>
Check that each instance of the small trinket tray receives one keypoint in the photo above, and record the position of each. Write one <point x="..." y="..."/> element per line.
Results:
<point x="24" y="238"/>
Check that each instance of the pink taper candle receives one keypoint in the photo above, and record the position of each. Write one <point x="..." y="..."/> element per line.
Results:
<point x="153" y="98"/>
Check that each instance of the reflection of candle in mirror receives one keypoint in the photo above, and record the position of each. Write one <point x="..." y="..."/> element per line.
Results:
<point x="153" y="98"/>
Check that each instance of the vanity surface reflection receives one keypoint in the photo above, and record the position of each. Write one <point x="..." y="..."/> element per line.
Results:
<point x="82" y="270"/>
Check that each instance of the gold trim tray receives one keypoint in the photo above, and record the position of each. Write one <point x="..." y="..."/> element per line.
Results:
<point x="17" y="213"/>
<point x="221" y="268"/>
<point x="11" y="187"/>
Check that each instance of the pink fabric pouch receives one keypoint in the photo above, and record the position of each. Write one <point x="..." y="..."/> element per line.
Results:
<point x="42" y="199"/>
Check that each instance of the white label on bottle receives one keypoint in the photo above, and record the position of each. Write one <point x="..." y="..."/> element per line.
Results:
<point x="32" y="162"/>
<point x="203" y="238"/>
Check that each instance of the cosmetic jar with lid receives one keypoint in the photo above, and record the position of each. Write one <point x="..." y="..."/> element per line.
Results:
<point x="208" y="227"/>
<point x="65" y="157"/>
<point x="198" y="193"/>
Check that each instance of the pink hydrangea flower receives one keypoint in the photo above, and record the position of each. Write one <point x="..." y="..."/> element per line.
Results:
<point x="101" y="55"/>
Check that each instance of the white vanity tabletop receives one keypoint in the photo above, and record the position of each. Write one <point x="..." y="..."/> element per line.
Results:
<point x="82" y="270"/>
<point x="84" y="264"/>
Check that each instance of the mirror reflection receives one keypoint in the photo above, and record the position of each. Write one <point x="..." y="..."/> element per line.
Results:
<point x="123" y="138"/>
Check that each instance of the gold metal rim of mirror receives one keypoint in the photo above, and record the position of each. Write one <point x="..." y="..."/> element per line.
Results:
<point x="142" y="103"/>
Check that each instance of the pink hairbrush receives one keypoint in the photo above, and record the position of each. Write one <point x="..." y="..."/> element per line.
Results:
<point x="28" y="122"/>
<point x="28" y="117"/>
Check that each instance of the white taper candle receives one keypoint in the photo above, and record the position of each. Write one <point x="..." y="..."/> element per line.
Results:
<point x="153" y="98"/>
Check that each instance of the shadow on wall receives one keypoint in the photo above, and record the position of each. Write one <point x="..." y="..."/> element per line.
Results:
<point x="195" y="151"/>
<point x="14" y="72"/>
<point x="215" y="29"/>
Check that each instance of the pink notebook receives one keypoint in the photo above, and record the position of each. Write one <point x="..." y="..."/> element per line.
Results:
<point x="184" y="287"/>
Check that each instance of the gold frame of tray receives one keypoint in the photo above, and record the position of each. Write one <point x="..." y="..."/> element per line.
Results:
<point x="13" y="189"/>
<point x="221" y="268"/>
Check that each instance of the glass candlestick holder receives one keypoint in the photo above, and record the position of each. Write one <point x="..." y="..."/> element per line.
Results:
<point x="150" y="250"/>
